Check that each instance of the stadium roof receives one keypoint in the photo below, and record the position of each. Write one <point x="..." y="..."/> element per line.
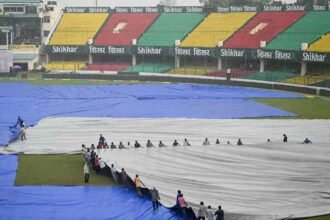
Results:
<point x="19" y="1"/>
<point x="24" y="56"/>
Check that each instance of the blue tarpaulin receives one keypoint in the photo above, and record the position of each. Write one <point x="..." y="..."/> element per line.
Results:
<point x="8" y="167"/>
<point x="77" y="202"/>
<point x="71" y="202"/>
<point x="34" y="103"/>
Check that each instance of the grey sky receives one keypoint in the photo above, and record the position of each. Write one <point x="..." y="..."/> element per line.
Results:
<point x="133" y="3"/>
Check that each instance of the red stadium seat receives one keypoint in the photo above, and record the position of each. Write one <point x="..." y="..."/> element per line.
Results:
<point x="108" y="66"/>
<point x="263" y="27"/>
<point x="121" y="28"/>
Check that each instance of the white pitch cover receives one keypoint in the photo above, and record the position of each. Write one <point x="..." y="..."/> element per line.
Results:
<point x="266" y="180"/>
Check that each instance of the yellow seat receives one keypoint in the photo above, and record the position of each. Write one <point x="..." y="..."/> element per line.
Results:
<point x="321" y="45"/>
<point x="63" y="65"/>
<point x="306" y="80"/>
<point x="216" y="27"/>
<point x="193" y="70"/>
<point x="77" y="28"/>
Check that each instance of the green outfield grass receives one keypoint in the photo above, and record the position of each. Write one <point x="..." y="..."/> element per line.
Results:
<point x="308" y="108"/>
<point x="55" y="170"/>
<point x="323" y="217"/>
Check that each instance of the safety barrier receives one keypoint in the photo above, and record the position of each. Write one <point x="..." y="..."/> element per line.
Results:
<point x="195" y="79"/>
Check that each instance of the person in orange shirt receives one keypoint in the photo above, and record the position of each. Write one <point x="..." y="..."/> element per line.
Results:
<point x="138" y="184"/>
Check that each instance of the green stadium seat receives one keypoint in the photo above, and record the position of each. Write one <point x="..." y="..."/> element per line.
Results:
<point x="149" y="67"/>
<point x="170" y="27"/>
<point x="270" y="76"/>
<point x="308" y="29"/>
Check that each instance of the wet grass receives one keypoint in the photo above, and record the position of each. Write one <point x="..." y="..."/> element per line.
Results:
<point x="55" y="170"/>
<point x="311" y="107"/>
<point x="323" y="217"/>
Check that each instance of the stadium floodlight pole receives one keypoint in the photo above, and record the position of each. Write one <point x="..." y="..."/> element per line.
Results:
<point x="41" y="35"/>
<point x="95" y="3"/>
<point x="7" y="40"/>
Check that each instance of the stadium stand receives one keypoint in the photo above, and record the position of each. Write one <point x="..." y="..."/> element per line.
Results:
<point x="121" y="28"/>
<point x="263" y="27"/>
<point x="216" y="27"/>
<point x="108" y="66"/>
<point x="306" y="30"/>
<point x="321" y="45"/>
<point x="65" y="65"/>
<point x="170" y="27"/>
<point x="149" y="67"/>
<point x="77" y="28"/>
<point x="270" y="76"/>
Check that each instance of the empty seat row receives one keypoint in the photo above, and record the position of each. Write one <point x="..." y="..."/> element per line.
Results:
<point x="216" y="27"/>
<point x="65" y="65"/>
<point x="149" y="67"/>
<point x="108" y="66"/>
<point x="77" y="28"/>
<point x="263" y="27"/>
<point x="170" y="27"/>
<point x="270" y="76"/>
<point x="121" y="28"/>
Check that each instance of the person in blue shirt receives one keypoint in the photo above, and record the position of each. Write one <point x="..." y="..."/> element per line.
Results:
<point x="161" y="144"/>
<point x="121" y="145"/>
<point x="219" y="213"/>
<point x="307" y="141"/>
<point x="149" y="144"/>
<point x="285" y="138"/>
<point x="175" y="143"/>
<point x="113" y="146"/>
<point x="137" y="144"/>
<point x="19" y="122"/>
